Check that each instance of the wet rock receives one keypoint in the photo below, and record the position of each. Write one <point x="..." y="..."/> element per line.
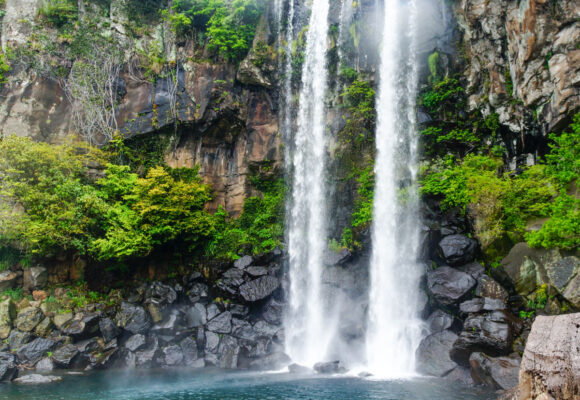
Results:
<point x="221" y="324"/>
<point x="492" y="333"/>
<point x="7" y="280"/>
<point x="564" y="275"/>
<point x="103" y="360"/>
<point x="155" y="312"/>
<point x="479" y="304"/>
<point x="189" y="350"/>
<point x="212" y="341"/>
<point x="34" y="278"/>
<point x="171" y="356"/>
<point x="197" y="292"/>
<point x="433" y="354"/>
<point x="44" y="328"/>
<point x="260" y="288"/>
<point x="461" y="375"/>
<point x="37" y="379"/>
<point x="331" y="367"/>
<point x="250" y="74"/>
<point x="28" y="318"/>
<point x="257" y="271"/>
<point x="195" y="316"/>
<point x="242" y="329"/>
<point x="160" y="294"/>
<point x="457" y="249"/>
<point x="448" y="285"/>
<point x="8" y="368"/>
<point x="228" y="350"/>
<point x="474" y="269"/>
<point x="44" y="365"/>
<point x="88" y="345"/>
<point x="272" y="312"/>
<point x="239" y="310"/>
<point x="16" y="339"/>
<point x="489" y="288"/>
<point x="551" y="361"/>
<point x="243" y="262"/>
<point x="135" y="342"/>
<point x="64" y="356"/>
<point x="133" y="318"/>
<point x="439" y="321"/>
<point x="495" y="372"/>
<point x="231" y="280"/>
<point x="144" y="358"/>
<point x="60" y="319"/>
<point x="108" y="329"/>
<point x="32" y="352"/>
<point x="7" y="315"/>
<point x="82" y="326"/>
<point x="212" y="311"/>
<point x="263" y="329"/>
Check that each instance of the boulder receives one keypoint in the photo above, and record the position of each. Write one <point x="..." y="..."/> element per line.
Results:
<point x="212" y="341"/>
<point x="439" y="321"/>
<point x="37" y="379"/>
<point x="228" y="351"/>
<point x="448" y="285"/>
<point x="82" y="326"/>
<point x="8" y="368"/>
<point x="60" y="319"/>
<point x="272" y="312"/>
<point x="243" y="262"/>
<point x="239" y="310"/>
<point x="108" y="329"/>
<point x="197" y="292"/>
<point x="564" y="275"/>
<point x="231" y="280"/>
<point x="135" y="342"/>
<point x="16" y="339"/>
<point x="212" y="311"/>
<point x="44" y="365"/>
<point x="32" y="352"/>
<point x="34" y="278"/>
<point x="551" y="361"/>
<point x="330" y="367"/>
<point x="221" y="324"/>
<point x="7" y="315"/>
<point x="479" y="304"/>
<point x="64" y="356"/>
<point x="28" y="318"/>
<point x="7" y="280"/>
<point x="44" y="328"/>
<point x="457" y="249"/>
<point x="260" y="288"/>
<point x="298" y="369"/>
<point x="144" y="358"/>
<point x="492" y="333"/>
<point x="257" y="271"/>
<point x="490" y="288"/>
<point x="250" y="74"/>
<point x="160" y="294"/>
<point x="474" y="269"/>
<point x="495" y="372"/>
<point x="171" y="356"/>
<point x="433" y="354"/>
<point x="133" y="318"/>
<point x="190" y="352"/>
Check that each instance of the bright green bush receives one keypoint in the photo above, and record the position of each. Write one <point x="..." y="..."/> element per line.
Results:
<point x="4" y="67"/>
<point x="359" y="99"/>
<point x="59" y="12"/>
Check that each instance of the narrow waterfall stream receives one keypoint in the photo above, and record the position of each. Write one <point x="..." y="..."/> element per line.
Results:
<point x="394" y="329"/>
<point x="307" y="330"/>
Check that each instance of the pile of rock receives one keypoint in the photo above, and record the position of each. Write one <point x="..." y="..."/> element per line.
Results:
<point x="233" y="322"/>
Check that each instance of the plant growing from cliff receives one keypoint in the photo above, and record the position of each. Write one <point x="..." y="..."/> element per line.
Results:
<point x="4" y="67"/>
<point x="59" y="12"/>
<point x="359" y="99"/>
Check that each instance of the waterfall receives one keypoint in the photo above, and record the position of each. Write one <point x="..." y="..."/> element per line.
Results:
<point x="393" y="326"/>
<point x="307" y="330"/>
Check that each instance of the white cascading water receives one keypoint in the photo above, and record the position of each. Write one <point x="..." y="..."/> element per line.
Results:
<point x="307" y="330"/>
<point x="393" y="326"/>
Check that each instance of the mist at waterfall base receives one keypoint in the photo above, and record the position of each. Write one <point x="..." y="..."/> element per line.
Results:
<point x="364" y="313"/>
<point x="219" y="385"/>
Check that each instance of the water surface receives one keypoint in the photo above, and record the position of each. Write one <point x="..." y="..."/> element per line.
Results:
<point x="218" y="385"/>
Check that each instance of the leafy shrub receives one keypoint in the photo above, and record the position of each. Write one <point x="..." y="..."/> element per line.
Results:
<point x="359" y="98"/>
<point x="445" y="91"/>
<point x="59" y="12"/>
<point x="4" y="67"/>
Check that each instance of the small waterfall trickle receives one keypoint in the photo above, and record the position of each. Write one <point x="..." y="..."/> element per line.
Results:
<point x="307" y="327"/>
<point x="394" y="328"/>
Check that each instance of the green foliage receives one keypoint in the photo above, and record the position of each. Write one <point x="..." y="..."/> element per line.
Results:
<point x="4" y="67"/>
<point x="500" y="203"/>
<point x="259" y="228"/>
<point x="446" y="91"/>
<point x="363" y="212"/>
<point x="433" y="62"/>
<point x="14" y="294"/>
<point x="359" y="99"/>
<point x="59" y="12"/>
<point x="230" y="26"/>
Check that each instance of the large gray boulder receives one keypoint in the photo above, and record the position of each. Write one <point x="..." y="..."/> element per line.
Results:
<point x="439" y="321"/>
<point x="457" y="249"/>
<point x="491" y="332"/>
<point x="433" y="354"/>
<point x="551" y="362"/>
<point x="28" y="318"/>
<point x="8" y="368"/>
<point x="495" y="372"/>
<point x="447" y="285"/>
<point x="133" y="318"/>
<point x="260" y="288"/>
<point x="7" y="315"/>
<point x="32" y="352"/>
<point x="221" y="324"/>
